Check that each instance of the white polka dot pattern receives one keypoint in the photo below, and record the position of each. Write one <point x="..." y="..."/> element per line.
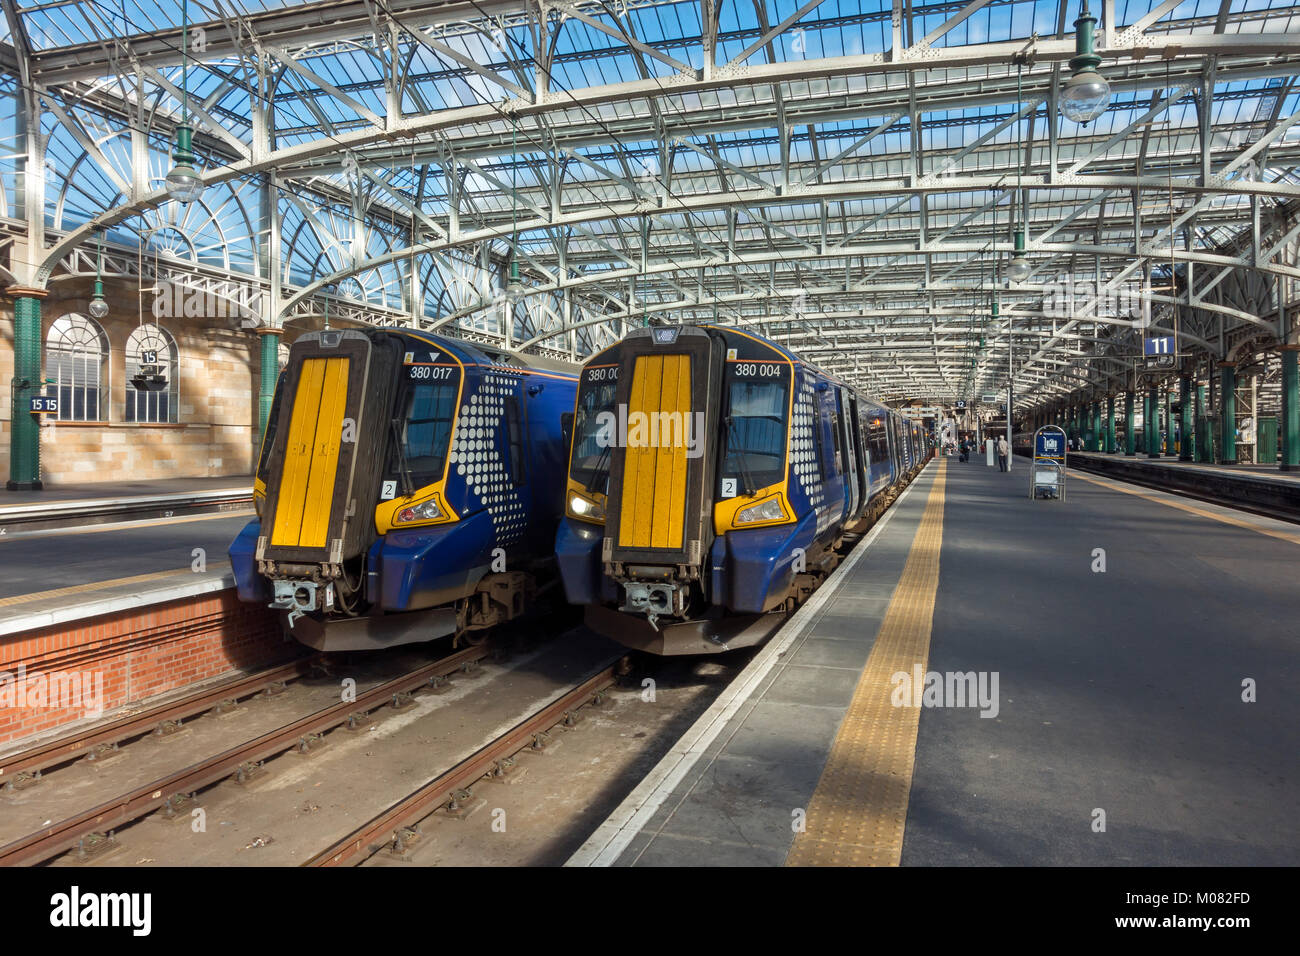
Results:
<point x="480" y="454"/>
<point x="803" y="453"/>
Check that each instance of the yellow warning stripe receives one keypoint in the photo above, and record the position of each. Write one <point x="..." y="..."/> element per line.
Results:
<point x="122" y="525"/>
<point x="858" y="811"/>
<point x="42" y="596"/>
<point x="1191" y="509"/>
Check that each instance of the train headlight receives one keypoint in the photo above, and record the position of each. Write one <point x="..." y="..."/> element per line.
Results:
<point x="764" y="511"/>
<point x="424" y="511"/>
<point x="585" y="508"/>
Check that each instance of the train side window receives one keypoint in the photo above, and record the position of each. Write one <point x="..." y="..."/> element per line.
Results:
<point x="838" y="459"/>
<point x="515" y="440"/>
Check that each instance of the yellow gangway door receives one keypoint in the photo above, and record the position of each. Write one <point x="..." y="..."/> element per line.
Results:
<point x="311" y="459"/>
<point x="653" y="511"/>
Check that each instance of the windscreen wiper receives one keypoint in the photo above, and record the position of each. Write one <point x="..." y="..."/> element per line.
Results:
<point x="601" y="468"/>
<point x="746" y="479"/>
<point x="408" y="483"/>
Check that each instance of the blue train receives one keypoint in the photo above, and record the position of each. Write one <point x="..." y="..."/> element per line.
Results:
<point x="408" y="486"/>
<point x="711" y="478"/>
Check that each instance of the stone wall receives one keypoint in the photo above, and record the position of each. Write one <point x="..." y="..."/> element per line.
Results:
<point x="216" y="432"/>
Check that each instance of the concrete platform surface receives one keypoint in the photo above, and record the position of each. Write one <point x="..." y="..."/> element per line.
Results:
<point x="1140" y="652"/>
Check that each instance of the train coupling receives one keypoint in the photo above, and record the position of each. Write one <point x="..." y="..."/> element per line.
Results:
<point x="300" y="597"/>
<point x="654" y="599"/>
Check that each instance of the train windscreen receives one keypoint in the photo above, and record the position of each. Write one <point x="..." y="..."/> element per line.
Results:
<point x="753" y="455"/>
<point x="589" y="465"/>
<point x="426" y="415"/>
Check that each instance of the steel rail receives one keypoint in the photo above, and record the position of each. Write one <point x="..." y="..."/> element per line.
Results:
<point x="65" y="748"/>
<point x="58" y="837"/>
<point x="373" y="835"/>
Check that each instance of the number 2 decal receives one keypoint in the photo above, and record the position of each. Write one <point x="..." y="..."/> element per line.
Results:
<point x="389" y="490"/>
<point x="728" y="487"/>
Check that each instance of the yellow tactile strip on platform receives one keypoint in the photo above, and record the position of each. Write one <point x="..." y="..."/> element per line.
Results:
<point x="858" y="811"/>
<point x="40" y="597"/>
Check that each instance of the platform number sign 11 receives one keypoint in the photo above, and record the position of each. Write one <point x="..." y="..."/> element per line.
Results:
<point x="1158" y="345"/>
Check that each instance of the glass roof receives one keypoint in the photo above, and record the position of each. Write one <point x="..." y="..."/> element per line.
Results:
<point x="639" y="162"/>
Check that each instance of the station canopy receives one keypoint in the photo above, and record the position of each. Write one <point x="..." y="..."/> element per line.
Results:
<point x="854" y="178"/>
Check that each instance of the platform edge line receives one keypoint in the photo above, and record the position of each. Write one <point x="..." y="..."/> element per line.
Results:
<point x="124" y="602"/>
<point x="611" y="838"/>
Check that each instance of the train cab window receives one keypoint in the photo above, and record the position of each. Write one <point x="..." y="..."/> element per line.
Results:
<point x="753" y="451"/>
<point x="515" y="442"/>
<point x="424" y="428"/>
<point x="589" y="465"/>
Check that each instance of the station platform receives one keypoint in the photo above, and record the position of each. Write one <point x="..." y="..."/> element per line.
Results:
<point x="991" y="679"/>
<point x="1260" y="488"/>
<point x="1244" y="470"/>
<point x="60" y="506"/>
<point x="69" y="564"/>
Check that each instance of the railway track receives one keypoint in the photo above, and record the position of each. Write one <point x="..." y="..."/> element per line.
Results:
<point x="24" y="767"/>
<point x="90" y="831"/>
<point x="397" y="826"/>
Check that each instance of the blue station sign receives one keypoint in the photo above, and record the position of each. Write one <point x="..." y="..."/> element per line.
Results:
<point x="1049" y="445"/>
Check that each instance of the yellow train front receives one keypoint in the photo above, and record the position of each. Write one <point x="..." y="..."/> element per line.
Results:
<point x="712" y="476"/>
<point x="409" y="486"/>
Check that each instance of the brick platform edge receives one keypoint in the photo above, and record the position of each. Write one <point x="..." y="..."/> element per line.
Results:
<point x="63" y="674"/>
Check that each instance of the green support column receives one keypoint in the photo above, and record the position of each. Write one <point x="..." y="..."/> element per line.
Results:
<point x="1171" y="400"/>
<point x="1290" y="408"/>
<point x="1228" y="410"/>
<point x="269" y="340"/>
<point x="1130" y="439"/>
<point x="1152" y="422"/>
<point x="1095" y="408"/>
<point x="24" y="432"/>
<point x="1204" y="450"/>
<point x="1167" y="421"/>
<point x="1110" y="424"/>
<point x="1186" y="441"/>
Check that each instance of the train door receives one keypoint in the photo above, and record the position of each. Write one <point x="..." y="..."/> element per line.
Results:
<point x="848" y="424"/>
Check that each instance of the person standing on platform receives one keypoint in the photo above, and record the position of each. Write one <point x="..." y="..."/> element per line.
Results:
<point x="1003" y="450"/>
<point x="965" y="450"/>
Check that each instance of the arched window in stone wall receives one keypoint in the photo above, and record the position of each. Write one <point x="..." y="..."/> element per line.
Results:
<point x="76" y="360"/>
<point x="152" y="376"/>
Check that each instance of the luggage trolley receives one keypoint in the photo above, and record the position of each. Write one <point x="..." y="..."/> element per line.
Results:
<point x="1047" y="470"/>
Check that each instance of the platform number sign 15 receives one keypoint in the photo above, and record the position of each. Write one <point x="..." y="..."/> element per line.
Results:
<point x="149" y="357"/>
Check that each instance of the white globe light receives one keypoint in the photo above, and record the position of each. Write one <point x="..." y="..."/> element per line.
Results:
<point x="1085" y="96"/>
<point x="1018" y="269"/>
<point x="514" y="291"/>
<point x="184" y="184"/>
<point x="98" y="307"/>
